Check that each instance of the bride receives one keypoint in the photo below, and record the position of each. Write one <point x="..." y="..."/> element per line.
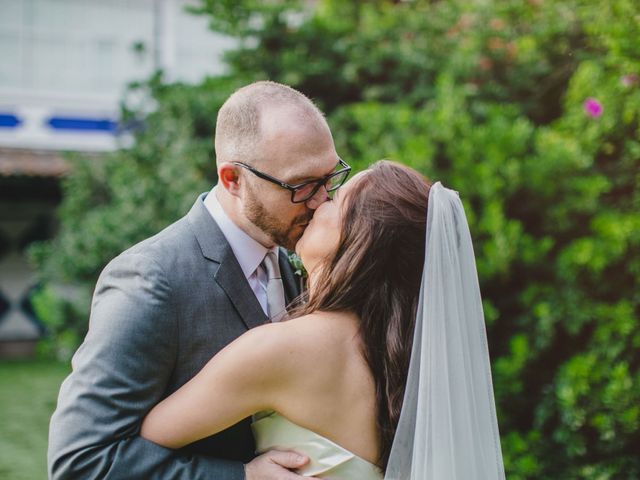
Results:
<point x="383" y="372"/>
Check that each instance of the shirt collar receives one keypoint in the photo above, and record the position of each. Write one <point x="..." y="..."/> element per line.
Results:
<point x="247" y="250"/>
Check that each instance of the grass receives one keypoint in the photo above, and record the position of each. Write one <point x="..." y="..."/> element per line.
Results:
<point x="28" y="394"/>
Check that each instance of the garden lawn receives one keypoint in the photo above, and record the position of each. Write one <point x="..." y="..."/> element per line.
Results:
<point x="28" y="393"/>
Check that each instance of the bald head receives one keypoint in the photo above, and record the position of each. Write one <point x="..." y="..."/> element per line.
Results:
<point x="252" y="110"/>
<point x="283" y="135"/>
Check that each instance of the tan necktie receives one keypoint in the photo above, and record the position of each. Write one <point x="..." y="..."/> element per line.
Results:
<point x="275" y="288"/>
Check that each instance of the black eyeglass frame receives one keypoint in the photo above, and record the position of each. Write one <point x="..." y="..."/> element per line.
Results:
<point x="294" y="188"/>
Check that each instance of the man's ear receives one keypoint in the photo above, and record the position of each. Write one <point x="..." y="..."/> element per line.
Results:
<point x="229" y="178"/>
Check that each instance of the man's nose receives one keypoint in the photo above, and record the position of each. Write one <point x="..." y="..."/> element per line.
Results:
<point x="318" y="198"/>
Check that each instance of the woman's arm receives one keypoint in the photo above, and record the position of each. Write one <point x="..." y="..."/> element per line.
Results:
<point x="247" y="376"/>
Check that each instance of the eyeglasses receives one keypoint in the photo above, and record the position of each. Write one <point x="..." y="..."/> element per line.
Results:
<point x="304" y="191"/>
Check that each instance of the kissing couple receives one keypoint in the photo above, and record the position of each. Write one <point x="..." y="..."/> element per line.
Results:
<point x="205" y="360"/>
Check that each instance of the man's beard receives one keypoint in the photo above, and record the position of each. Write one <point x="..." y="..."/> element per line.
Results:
<point x="283" y="234"/>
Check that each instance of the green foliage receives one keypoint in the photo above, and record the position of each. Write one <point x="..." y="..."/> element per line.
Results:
<point x="487" y="97"/>
<point x="65" y="317"/>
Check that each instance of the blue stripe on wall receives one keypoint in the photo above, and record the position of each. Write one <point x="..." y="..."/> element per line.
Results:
<point x="83" y="124"/>
<point x="9" y="120"/>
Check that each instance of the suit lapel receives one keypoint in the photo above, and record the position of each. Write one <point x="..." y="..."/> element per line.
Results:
<point x="231" y="279"/>
<point x="228" y="275"/>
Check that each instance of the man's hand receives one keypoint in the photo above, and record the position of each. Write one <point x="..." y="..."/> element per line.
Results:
<point x="275" y="465"/>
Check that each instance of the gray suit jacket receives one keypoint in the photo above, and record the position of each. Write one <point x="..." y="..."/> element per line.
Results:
<point x="160" y="311"/>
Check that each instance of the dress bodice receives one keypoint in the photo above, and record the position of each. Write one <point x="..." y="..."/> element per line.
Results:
<point x="327" y="459"/>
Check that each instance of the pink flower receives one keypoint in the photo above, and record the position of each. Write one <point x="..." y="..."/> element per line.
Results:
<point x="629" y="80"/>
<point x="592" y="107"/>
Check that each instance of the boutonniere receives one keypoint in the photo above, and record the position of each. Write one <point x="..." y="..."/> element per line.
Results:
<point x="296" y="263"/>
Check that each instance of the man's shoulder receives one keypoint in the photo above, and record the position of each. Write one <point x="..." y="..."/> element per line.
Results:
<point x="173" y="250"/>
<point x="175" y="239"/>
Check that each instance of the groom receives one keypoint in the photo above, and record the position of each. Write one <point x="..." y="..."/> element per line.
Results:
<point x="164" y="307"/>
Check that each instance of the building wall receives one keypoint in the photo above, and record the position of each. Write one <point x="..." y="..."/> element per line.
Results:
<point x="17" y="232"/>
<point x="26" y="215"/>
<point x="66" y="64"/>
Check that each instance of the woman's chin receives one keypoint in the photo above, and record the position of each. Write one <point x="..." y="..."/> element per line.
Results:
<point x="303" y="255"/>
<point x="299" y="248"/>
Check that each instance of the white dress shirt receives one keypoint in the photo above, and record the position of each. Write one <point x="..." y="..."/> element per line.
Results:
<point x="247" y="251"/>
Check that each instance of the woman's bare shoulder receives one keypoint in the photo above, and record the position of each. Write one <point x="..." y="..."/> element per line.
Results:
<point x="301" y="340"/>
<point x="297" y="351"/>
<point x="321" y="328"/>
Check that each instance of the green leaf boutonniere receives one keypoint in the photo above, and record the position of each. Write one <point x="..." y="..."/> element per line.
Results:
<point x="296" y="263"/>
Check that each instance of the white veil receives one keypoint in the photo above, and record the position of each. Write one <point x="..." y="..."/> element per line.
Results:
<point x="448" y="428"/>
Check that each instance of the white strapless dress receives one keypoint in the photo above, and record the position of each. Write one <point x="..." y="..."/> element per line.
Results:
<point x="327" y="459"/>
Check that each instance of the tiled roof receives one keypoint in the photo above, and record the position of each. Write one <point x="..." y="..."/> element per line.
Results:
<point x="31" y="163"/>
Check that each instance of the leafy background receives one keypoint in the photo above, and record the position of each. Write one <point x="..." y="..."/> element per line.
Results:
<point x="488" y="97"/>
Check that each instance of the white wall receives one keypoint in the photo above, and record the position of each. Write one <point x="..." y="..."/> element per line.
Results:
<point x="72" y="59"/>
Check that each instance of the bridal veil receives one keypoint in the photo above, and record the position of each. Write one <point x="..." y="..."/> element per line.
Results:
<point x="448" y="428"/>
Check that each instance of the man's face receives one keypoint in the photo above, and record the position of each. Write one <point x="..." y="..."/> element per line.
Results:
<point x="292" y="152"/>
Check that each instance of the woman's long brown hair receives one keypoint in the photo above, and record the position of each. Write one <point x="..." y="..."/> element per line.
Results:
<point x="376" y="274"/>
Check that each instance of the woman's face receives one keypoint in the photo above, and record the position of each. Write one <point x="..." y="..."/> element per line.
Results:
<point x="321" y="237"/>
